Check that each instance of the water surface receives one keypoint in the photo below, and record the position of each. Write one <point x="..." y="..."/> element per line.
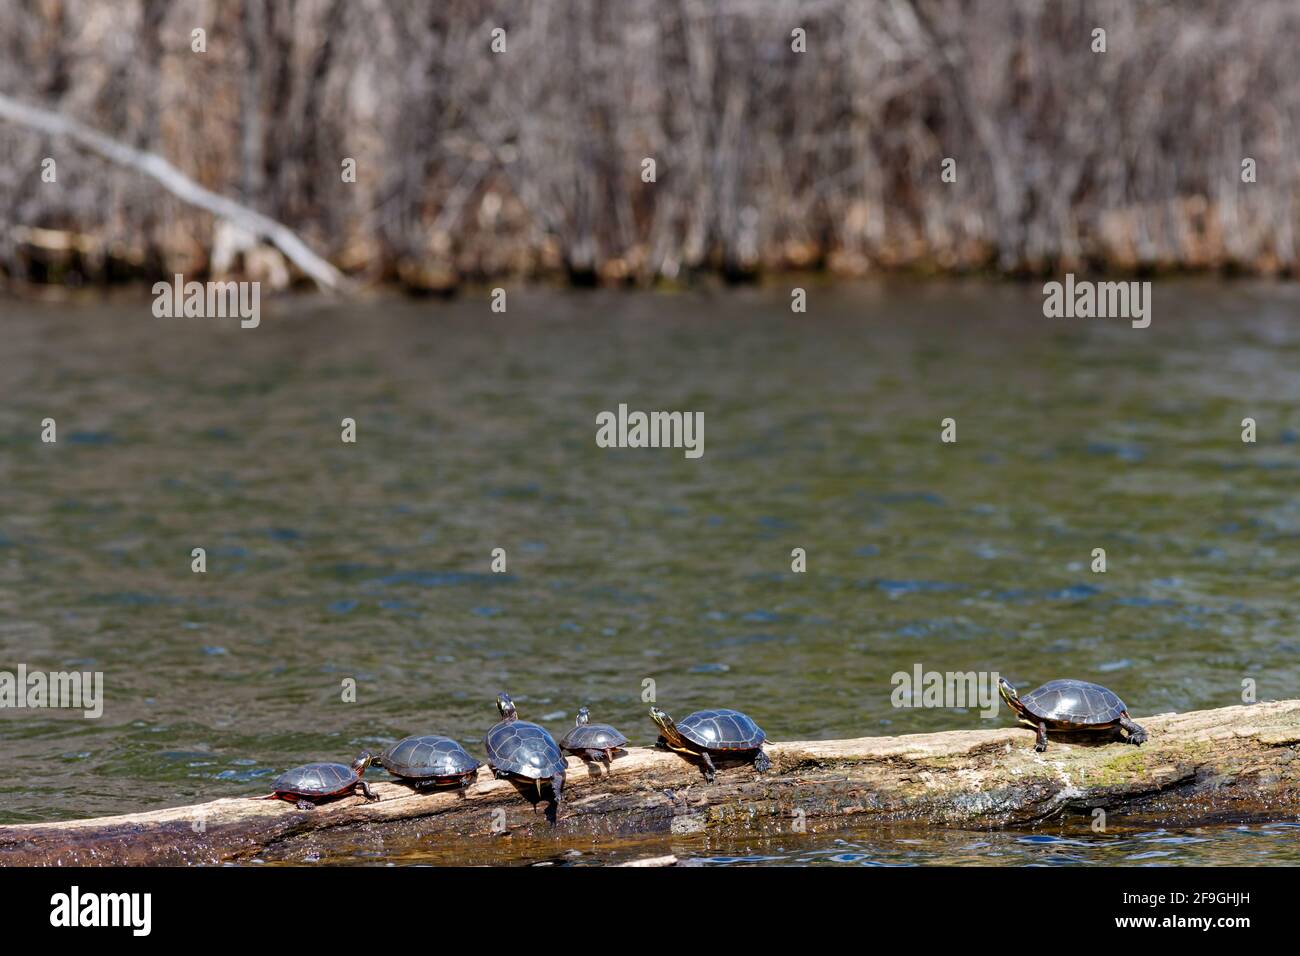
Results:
<point x="476" y="430"/>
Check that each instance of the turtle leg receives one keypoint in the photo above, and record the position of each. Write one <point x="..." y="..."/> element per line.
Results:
<point x="710" y="771"/>
<point x="304" y="804"/>
<point x="762" y="763"/>
<point x="1040" y="742"/>
<point x="595" y="756"/>
<point x="557" y="788"/>
<point x="365" y="789"/>
<point x="1137" y="734"/>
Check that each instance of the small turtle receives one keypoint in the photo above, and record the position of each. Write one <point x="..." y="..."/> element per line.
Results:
<point x="521" y="751"/>
<point x="314" y="782"/>
<point x="1071" y="706"/>
<point x="592" y="741"/>
<point x="708" y="733"/>
<point x="429" y="761"/>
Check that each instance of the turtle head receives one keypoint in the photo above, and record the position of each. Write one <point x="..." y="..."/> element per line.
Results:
<point x="584" y="715"/>
<point x="1009" y="694"/>
<point x="663" y="720"/>
<point x="364" y="760"/>
<point x="506" y="706"/>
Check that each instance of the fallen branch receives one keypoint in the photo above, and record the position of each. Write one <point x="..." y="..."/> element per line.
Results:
<point x="1236" y="764"/>
<point x="180" y="185"/>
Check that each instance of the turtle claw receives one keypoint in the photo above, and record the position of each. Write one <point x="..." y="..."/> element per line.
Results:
<point x="710" y="771"/>
<point x="762" y="763"/>
<point x="1137" y="735"/>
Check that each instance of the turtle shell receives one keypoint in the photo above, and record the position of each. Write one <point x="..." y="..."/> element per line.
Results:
<point x="592" y="737"/>
<point x="721" y="730"/>
<point x="427" y="757"/>
<point x="524" y="749"/>
<point x="1074" y="703"/>
<point x="316" y="780"/>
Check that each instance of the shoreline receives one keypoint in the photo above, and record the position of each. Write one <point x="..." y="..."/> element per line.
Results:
<point x="138" y="287"/>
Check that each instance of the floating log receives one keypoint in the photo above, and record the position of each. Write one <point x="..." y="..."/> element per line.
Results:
<point x="1235" y="764"/>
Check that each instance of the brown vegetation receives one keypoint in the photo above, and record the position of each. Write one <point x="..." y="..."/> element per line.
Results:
<point x="473" y="164"/>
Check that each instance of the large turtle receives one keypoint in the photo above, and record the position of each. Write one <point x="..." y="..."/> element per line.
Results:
<point x="592" y="741"/>
<point x="524" y="752"/>
<point x="308" y="784"/>
<point x="708" y="733"/>
<point x="429" y="761"/>
<point x="1071" y="706"/>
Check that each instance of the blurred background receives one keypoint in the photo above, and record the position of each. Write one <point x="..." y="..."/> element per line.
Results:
<point x="472" y="164"/>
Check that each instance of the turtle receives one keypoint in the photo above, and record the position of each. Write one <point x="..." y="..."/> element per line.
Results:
<point x="429" y="761"/>
<point x="592" y="741"/>
<point x="1071" y="706"/>
<point x="524" y="752"/>
<point x="708" y="733"/>
<point x="313" y="782"/>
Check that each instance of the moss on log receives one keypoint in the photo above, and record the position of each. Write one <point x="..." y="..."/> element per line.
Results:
<point x="1235" y="764"/>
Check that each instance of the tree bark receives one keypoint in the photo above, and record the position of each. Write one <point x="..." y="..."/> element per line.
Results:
<point x="1236" y="764"/>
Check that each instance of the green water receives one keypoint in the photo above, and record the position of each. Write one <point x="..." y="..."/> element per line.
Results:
<point x="476" y="431"/>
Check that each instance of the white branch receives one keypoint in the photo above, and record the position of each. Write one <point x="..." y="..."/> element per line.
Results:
<point x="180" y="185"/>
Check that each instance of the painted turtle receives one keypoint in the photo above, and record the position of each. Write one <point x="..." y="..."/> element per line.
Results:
<point x="592" y="741"/>
<point x="1071" y="706"/>
<point x="313" y="782"/>
<point x="429" y="761"/>
<point x="518" y="750"/>
<point x="708" y="733"/>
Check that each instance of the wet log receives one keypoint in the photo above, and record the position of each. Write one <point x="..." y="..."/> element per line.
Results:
<point x="1235" y="764"/>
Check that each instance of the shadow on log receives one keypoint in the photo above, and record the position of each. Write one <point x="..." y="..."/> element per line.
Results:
<point x="1236" y="764"/>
